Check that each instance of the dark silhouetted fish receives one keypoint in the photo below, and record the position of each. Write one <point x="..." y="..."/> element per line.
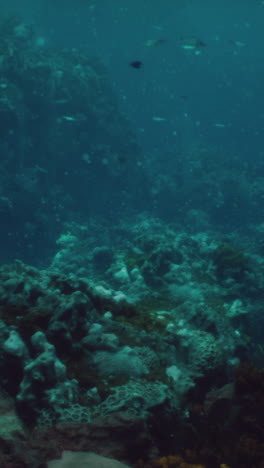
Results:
<point x="136" y="64"/>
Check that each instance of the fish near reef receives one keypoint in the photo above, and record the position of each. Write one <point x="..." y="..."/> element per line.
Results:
<point x="136" y="64"/>
<point x="191" y="43"/>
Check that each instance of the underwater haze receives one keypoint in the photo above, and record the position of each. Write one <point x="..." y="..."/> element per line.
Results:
<point x="132" y="233"/>
<point x="193" y="111"/>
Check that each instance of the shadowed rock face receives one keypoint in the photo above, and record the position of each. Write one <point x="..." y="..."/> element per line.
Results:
<point x="117" y="436"/>
<point x="84" y="460"/>
<point x="10" y="422"/>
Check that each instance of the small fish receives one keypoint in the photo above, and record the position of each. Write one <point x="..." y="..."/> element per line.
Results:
<point x="237" y="43"/>
<point x="69" y="118"/>
<point x="40" y="169"/>
<point x="221" y="125"/>
<point x="136" y="64"/>
<point x="191" y="43"/>
<point x="61" y="101"/>
<point x="157" y="27"/>
<point x="158" y="119"/>
<point x="76" y="118"/>
<point x="154" y="42"/>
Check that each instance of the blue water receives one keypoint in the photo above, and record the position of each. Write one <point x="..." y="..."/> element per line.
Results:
<point x="181" y="104"/>
<point x="223" y="83"/>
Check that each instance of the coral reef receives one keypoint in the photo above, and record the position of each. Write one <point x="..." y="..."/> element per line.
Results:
<point x="130" y="338"/>
<point x="78" y="344"/>
<point x="66" y="335"/>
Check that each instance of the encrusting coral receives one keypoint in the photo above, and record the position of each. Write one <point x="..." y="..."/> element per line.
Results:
<point x="171" y="461"/>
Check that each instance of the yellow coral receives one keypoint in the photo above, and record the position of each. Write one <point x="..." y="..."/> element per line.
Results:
<point x="174" y="462"/>
<point x="168" y="462"/>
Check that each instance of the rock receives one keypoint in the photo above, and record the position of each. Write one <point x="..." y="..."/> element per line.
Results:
<point x="84" y="460"/>
<point x="11" y="425"/>
<point x="118" y="435"/>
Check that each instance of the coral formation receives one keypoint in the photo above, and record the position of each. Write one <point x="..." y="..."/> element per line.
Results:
<point x="230" y="262"/>
<point x="171" y="461"/>
<point x="103" y="338"/>
<point x="130" y="336"/>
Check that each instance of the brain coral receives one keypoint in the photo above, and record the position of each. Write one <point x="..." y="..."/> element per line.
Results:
<point x="204" y="352"/>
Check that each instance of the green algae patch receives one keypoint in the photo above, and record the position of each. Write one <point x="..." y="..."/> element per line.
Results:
<point x="147" y="317"/>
